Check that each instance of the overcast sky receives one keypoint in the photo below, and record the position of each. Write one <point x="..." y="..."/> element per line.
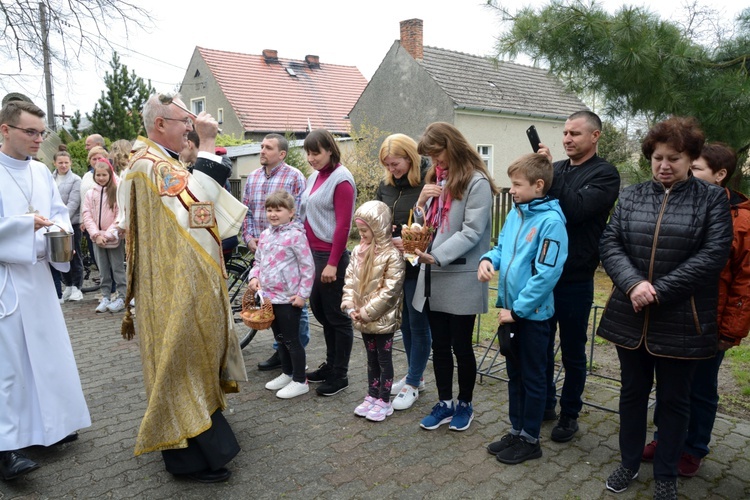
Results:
<point x="339" y="32"/>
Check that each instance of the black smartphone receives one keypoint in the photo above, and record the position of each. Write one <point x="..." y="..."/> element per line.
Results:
<point x="533" y="136"/>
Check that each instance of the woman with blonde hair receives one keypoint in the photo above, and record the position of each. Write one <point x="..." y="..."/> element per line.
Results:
<point x="403" y="179"/>
<point x="119" y="154"/>
<point x="457" y="202"/>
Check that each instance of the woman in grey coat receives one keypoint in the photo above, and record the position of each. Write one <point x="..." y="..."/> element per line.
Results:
<point x="457" y="201"/>
<point x="69" y="185"/>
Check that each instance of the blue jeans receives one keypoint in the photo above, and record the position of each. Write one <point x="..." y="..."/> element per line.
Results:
<point x="527" y="389"/>
<point x="304" y="329"/>
<point x="704" y="402"/>
<point x="572" y="307"/>
<point x="415" y="331"/>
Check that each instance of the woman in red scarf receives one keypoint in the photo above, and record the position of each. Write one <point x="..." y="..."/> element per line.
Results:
<point x="457" y="201"/>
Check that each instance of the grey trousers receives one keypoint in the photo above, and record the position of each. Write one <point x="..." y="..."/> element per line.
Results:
<point x="111" y="259"/>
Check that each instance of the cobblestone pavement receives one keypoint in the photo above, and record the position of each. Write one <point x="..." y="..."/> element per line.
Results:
<point x="314" y="447"/>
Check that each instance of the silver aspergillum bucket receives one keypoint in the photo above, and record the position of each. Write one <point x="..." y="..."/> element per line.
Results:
<point x="59" y="246"/>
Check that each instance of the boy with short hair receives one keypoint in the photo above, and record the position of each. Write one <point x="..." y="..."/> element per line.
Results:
<point x="530" y="254"/>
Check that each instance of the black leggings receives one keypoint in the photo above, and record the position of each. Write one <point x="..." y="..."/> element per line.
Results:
<point x="285" y="328"/>
<point x="379" y="349"/>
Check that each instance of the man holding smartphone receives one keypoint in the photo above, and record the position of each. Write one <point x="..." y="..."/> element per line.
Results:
<point x="587" y="187"/>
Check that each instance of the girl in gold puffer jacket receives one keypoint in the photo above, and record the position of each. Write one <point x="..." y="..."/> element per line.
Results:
<point x="372" y="298"/>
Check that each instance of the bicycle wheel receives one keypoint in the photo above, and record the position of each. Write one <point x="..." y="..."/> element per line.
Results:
<point x="91" y="280"/>
<point x="237" y="284"/>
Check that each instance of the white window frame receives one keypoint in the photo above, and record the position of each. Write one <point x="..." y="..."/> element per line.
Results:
<point x="220" y="115"/>
<point x="194" y="102"/>
<point x="486" y="157"/>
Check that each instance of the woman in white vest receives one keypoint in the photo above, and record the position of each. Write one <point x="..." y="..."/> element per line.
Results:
<point x="326" y="212"/>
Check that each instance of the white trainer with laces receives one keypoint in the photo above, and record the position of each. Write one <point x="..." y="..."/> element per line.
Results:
<point x="116" y="305"/>
<point x="102" y="307"/>
<point x="279" y="382"/>
<point x="293" y="389"/>
<point x="75" y="293"/>
<point x="66" y="293"/>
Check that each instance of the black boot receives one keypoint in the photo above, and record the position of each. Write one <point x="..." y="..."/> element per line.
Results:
<point x="271" y="363"/>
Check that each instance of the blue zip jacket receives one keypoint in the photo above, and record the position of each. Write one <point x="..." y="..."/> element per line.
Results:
<point x="530" y="254"/>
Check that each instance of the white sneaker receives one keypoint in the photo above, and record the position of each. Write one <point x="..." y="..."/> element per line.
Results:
<point x="66" y="293"/>
<point x="279" y="382"/>
<point x="116" y="305"/>
<point x="61" y="300"/>
<point x="396" y="388"/>
<point x="364" y="406"/>
<point x="293" y="389"/>
<point x="102" y="307"/>
<point x="405" y="398"/>
<point x="75" y="293"/>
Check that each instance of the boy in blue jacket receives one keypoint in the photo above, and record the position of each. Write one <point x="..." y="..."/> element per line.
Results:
<point x="530" y="254"/>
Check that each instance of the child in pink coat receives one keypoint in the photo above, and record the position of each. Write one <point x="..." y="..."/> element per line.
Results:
<point x="99" y="216"/>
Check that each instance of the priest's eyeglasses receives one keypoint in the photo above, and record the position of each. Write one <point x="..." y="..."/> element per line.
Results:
<point x="33" y="134"/>
<point x="187" y="121"/>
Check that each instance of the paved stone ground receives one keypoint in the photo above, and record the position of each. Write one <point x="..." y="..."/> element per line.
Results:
<point x="314" y="447"/>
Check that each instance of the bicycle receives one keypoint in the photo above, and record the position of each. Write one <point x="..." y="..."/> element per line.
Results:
<point x="91" y="279"/>
<point x="238" y="267"/>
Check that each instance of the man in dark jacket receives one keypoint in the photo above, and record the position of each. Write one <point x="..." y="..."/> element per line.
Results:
<point x="587" y="187"/>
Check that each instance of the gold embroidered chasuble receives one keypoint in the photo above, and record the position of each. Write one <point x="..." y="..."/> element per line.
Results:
<point x="189" y="349"/>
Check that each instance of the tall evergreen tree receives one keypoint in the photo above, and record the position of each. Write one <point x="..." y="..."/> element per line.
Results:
<point x="117" y="114"/>
<point x="640" y="64"/>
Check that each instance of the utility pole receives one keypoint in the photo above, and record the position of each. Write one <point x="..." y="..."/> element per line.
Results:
<point x="47" y="68"/>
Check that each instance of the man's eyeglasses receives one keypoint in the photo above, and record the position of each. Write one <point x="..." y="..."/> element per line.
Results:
<point x="33" y="134"/>
<point x="187" y="121"/>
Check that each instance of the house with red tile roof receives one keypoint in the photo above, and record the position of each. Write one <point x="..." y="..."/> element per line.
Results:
<point x="252" y="95"/>
<point x="491" y="102"/>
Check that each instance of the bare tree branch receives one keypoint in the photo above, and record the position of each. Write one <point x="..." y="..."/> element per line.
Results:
<point x="76" y="27"/>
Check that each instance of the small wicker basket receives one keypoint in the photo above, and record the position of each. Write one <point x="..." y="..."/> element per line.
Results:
<point x="415" y="238"/>
<point x="258" y="316"/>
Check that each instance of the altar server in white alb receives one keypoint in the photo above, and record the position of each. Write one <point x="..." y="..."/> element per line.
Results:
<point x="41" y="400"/>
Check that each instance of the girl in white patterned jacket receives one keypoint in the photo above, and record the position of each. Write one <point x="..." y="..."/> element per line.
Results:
<point x="284" y="268"/>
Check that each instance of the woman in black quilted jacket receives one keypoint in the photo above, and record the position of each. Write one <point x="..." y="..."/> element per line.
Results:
<point x="664" y="247"/>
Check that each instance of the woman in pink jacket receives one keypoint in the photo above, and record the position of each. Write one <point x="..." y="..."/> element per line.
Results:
<point x="99" y="216"/>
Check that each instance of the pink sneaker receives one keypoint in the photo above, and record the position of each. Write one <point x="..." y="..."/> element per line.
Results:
<point x="364" y="406"/>
<point x="379" y="410"/>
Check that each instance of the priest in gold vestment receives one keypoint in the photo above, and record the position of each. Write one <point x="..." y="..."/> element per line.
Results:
<point x="174" y="222"/>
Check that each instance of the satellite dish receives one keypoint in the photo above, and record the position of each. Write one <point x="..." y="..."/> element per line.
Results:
<point x="15" y="96"/>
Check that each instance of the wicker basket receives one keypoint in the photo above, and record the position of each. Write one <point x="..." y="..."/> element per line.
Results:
<point x="416" y="239"/>
<point x="258" y="316"/>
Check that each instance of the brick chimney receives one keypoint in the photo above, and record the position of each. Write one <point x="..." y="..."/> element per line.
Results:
<point x="411" y="38"/>
<point x="271" y="56"/>
<point x="313" y="62"/>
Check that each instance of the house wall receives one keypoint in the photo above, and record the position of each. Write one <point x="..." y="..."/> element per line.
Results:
<point x="401" y="97"/>
<point x="206" y="86"/>
<point x="507" y="136"/>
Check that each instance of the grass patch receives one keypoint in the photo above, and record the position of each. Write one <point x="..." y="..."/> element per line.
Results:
<point x="739" y="363"/>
